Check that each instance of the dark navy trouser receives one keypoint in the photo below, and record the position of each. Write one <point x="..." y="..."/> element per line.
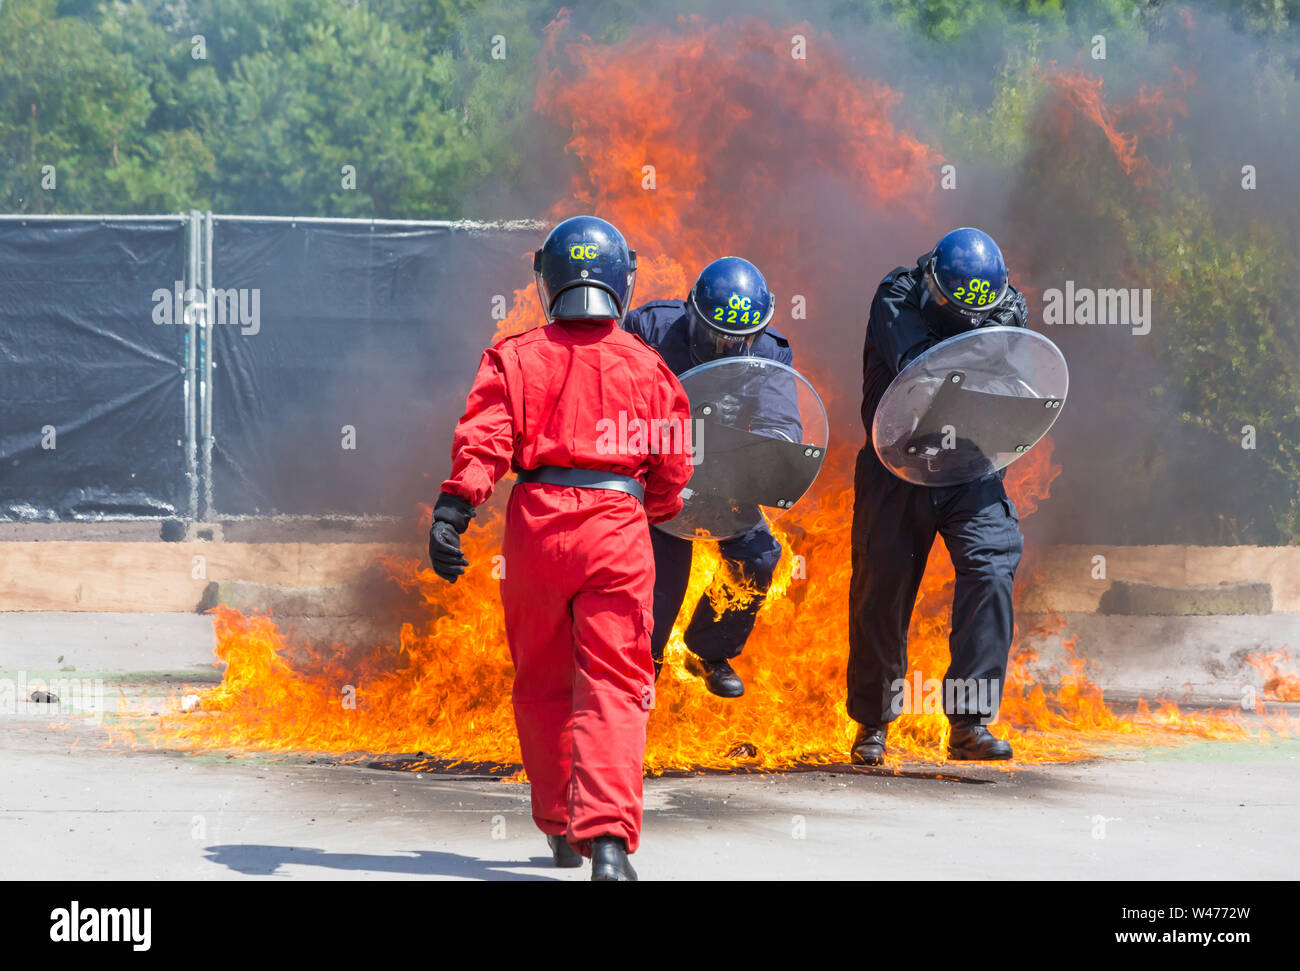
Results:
<point x="894" y="526"/>
<point x="709" y="637"/>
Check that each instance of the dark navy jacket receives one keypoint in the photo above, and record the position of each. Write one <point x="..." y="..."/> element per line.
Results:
<point x="900" y="329"/>
<point x="665" y="326"/>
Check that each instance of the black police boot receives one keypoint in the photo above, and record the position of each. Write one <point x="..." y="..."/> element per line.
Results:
<point x="971" y="741"/>
<point x="869" y="745"/>
<point x="722" y="680"/>
<point x="563" y="854"/>
<point x="609" y="859"/>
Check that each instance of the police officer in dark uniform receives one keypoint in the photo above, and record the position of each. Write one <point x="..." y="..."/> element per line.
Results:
<point x="959" y="285"/>
<point x="726" y="314"/>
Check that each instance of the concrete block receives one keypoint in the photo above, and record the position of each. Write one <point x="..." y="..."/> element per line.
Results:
<point x="1128" y="598"/>
<point x="314" y="601"/>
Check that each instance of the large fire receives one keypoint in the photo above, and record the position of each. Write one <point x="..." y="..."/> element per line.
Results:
<point x="689" y="140"/>
<point x="1078" y="103"/>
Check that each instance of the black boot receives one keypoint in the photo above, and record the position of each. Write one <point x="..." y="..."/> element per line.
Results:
<point x="609" y="859"/>
<point x="971" y="741"/>
<point x="563" y="854"/>
<point x="722" y="680"/>
<point x="869" y="745"/>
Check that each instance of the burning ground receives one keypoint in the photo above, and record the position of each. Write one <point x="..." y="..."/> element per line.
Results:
<point x="699" y="140"/>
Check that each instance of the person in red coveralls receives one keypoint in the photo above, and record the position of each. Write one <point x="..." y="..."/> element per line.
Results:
<point x="562" y="405"/>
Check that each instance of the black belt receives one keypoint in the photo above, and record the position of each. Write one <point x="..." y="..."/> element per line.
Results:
<point x="584" y="479"/>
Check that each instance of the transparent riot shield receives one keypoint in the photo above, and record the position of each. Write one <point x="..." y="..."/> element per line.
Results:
<point x="758" y="439"/>
<point x="970" y="405"/>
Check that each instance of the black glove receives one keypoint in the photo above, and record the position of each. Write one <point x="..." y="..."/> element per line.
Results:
<point x="444" y="551"/>
<point x="728" y="409"/>
<point x="451" y="516"/>
<point x="1014" y="312"/>
<point x="454" y="510"/>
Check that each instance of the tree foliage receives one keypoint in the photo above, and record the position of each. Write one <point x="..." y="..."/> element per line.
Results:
<point x="424" y="109"/>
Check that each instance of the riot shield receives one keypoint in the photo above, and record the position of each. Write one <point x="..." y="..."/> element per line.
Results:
<point x="970" y="405"/>
<point x="758" y="439"/>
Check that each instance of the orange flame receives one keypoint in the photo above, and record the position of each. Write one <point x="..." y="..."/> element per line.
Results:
<point x="1281" y="682"/>
<point x="1075" y="97"/>
<point x="691" y="113"/>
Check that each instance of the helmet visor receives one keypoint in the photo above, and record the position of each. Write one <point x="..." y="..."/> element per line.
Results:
<point x="710" y="343"/>
<point x="970" y="300"/>
<point x="957" y="312"/>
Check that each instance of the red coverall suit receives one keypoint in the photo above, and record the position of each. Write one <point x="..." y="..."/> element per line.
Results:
<point x="579" y="571"/>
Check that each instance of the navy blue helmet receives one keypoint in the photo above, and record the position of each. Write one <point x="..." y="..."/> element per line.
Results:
<point x="729" y="306"/>
<point x="585" y="271"/>
<point x="966" y="275"/>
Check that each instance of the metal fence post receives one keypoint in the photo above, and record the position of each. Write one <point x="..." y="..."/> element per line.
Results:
<point x="206" y="396"/>
<point x="191" y="352"/>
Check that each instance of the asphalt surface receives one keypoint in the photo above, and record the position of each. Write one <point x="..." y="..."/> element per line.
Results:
<point x="72" y="808"/>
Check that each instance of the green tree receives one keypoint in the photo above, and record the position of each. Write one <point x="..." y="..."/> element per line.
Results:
<point x="69" y="102"/>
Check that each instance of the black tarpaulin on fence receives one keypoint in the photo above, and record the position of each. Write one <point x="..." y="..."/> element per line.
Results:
<point x="347" y="334"/>
<point x="92" y="389"/>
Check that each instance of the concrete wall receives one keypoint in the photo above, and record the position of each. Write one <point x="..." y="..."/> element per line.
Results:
<point x="1061" y="578"/>
<point x="151" y="577"/>
<point x="156" y="576"/>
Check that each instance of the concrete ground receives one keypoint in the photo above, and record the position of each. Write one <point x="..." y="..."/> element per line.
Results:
<point x="72" y="808"/>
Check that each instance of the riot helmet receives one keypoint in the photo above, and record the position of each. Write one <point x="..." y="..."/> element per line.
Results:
<point x="966" y="277"/>
<point x="585" y="271"/>
<point x="729" y="306"/>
